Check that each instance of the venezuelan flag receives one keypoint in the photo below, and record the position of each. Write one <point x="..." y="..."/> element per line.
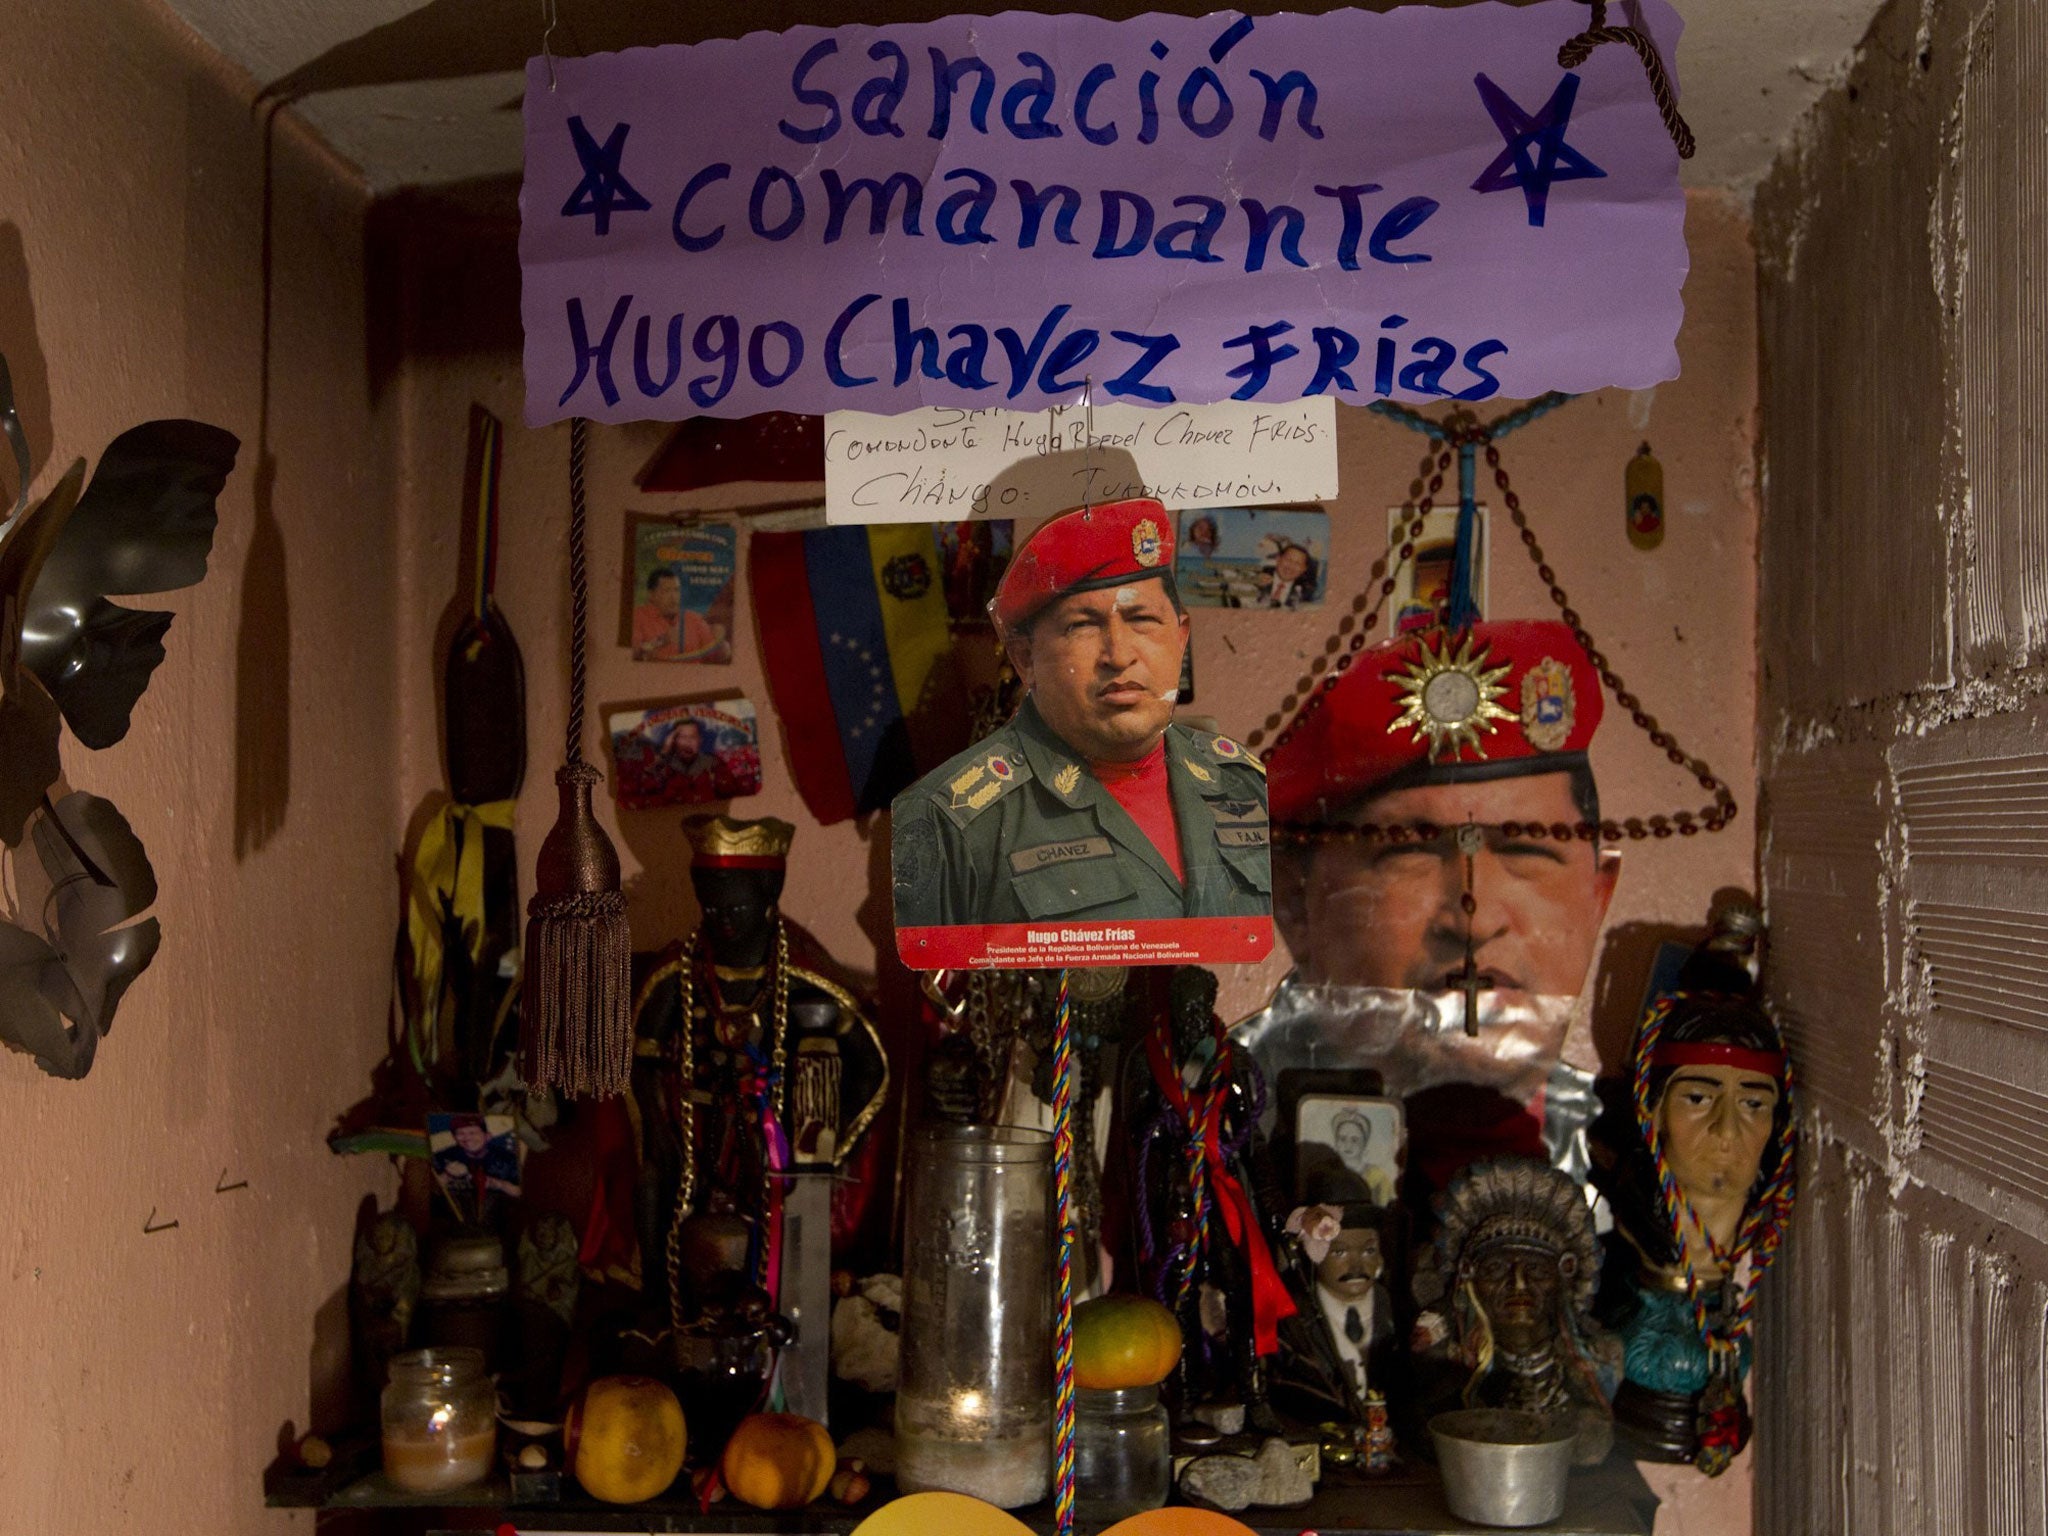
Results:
<point x="855" y="642"/>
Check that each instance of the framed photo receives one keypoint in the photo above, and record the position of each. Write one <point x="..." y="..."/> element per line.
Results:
<point x="685" y="754"/>
<point x="1347" y="1148"/>
<point x="476" y="1158"/>
<point x="1252" y="557"/>
<point x="1423" y="582"/>
<point x="679" y="579"/>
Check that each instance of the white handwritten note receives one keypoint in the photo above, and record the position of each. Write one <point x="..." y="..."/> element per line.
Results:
<point x="943" y="464"/>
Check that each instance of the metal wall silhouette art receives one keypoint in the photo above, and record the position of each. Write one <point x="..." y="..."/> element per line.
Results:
<point x="69" y="657"/>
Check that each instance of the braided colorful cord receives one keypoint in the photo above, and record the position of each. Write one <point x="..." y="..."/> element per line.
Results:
<point x="1063" y="1320"/>
<point x="1763" y="1222"/>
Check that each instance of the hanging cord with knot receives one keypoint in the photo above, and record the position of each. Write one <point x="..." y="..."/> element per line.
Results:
<point x="579" y="588"/>
<point x="1578" y="49"/>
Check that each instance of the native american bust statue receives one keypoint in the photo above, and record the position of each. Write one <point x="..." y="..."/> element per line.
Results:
<point x="1519" y="1260"/>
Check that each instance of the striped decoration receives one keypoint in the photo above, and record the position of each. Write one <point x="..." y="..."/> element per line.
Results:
<point x="1063" y="1321"/>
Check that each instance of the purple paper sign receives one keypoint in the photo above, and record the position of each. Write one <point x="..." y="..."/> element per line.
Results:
<point x="995" y="211"/>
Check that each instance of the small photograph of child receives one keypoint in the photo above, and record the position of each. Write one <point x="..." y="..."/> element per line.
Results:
<point x="476" y="1159"/>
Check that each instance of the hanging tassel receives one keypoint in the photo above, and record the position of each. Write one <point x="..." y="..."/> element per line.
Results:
<point x="577" y="999"/>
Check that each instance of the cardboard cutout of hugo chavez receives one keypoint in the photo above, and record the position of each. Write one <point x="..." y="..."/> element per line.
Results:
<point x="1091" y="829"/>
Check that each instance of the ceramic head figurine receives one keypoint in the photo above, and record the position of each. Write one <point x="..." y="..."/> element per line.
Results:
<point x="1338" y="1347"/>
<point x="1517" y="1251"/>
<point x="1701" y="1200"/>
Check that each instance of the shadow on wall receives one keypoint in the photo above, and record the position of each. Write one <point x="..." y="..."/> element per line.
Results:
<point x="263" y="678"/>
<point x="24" y="353"/>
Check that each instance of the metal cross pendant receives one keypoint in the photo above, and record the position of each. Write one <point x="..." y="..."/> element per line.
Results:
<point x="1471" y="981"/>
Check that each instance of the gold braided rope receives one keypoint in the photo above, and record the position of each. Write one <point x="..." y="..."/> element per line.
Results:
<point x="686" y="1109"/>
<point x="686" y="1124"/>
<point x="1309" y="693"/>
<point x="779" y="1027"/>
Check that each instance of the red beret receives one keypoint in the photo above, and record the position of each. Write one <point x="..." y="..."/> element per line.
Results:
<point x="1515" y="697"/>
<point x="1082" y="550"/>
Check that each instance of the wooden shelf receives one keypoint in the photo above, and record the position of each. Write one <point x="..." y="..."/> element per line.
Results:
<point x="1609" y="1500"/>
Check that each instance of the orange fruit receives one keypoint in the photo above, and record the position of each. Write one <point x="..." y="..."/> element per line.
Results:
<point x="1124" y="1341"/>
<point x="626" y="1438"/>
<point x="920" y="1514"/>
<point x="778" y="1461"/>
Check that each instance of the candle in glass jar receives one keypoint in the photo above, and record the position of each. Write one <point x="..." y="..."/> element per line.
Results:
<point x="437" y="1463"/>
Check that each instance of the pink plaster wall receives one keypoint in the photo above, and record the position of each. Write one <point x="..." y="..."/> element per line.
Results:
<point x="144" y="1380"/>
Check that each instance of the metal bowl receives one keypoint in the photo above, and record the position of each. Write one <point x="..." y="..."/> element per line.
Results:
<point x="1503" y="1467"/>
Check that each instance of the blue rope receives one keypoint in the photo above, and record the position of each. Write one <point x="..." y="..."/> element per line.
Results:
<point x="1461" y="608"/>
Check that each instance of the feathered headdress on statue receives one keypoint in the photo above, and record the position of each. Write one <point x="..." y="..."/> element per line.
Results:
<point x="1517" y="1203"/>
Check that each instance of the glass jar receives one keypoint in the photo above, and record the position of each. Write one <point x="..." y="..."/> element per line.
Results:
<point x="440" y="1420"/>
<point x="465" y="1295"/>
<point x="1123" y="1463"/>
<point x="974" y="1404"/>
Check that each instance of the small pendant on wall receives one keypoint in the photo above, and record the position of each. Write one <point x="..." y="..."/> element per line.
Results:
<point x="1644" y="486"/>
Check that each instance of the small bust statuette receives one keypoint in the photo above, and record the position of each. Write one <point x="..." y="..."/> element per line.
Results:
<point x="1515" y="1237"/>
<point x="1703" y="1185"/>
<point x="1339" y="1345"/>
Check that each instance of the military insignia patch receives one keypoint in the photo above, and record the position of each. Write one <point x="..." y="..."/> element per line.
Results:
<point x="981" y="784"/>
<point x="1145" y="543"/>
<point x="1451" y="697"/>
<point x="906" y="577"/>
<point x="1548" y="709"/>
<point x="1198" y="770"/>
<point x="1067" y="778"/>
<point x="1223" y="746"/>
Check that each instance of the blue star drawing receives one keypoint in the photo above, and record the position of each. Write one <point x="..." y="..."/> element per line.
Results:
<point x="1553" y="161"/>
<point x="604" y="188"/>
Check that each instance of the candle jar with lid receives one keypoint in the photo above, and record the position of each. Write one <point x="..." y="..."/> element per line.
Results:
<point x="440" y="1415"/>
<point x="1123" y="1463"/>
<point x="974" y="1407"/>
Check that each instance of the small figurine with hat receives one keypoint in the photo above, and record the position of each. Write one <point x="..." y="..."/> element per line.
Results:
<point x="1339" y="1347"/>
<point x="1091" y="803"/>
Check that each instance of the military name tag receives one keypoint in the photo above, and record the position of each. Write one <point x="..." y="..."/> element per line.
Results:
<point x="1241" y="837"/>
<point x="1024" y="860"/>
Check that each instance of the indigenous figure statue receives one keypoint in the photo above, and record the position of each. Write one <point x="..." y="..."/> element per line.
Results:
<point x="1700" y="1173"/>
<point x="1519" y="1262"/>
<point x="750" y="1064"/>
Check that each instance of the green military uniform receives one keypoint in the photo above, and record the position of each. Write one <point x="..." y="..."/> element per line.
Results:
<point x="1016" y="829"/>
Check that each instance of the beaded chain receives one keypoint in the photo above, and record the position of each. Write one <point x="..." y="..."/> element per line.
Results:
<point x="1313" y="686"/>
<point x="1763" y="1223"/>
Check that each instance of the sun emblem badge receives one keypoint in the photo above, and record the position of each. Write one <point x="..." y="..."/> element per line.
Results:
<point x="1145" y="543"/>
<point x="1450" y="697"/>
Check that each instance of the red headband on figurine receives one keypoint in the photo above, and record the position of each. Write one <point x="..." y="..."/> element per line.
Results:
<point x="1707" y="1053"/>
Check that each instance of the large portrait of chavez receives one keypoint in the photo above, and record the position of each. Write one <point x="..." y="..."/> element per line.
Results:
<point x="1091" y="829"/>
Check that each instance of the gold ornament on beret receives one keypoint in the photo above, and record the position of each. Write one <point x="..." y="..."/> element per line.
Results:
<point x="727" y="840"/>
<point x="1451" y="696"/>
